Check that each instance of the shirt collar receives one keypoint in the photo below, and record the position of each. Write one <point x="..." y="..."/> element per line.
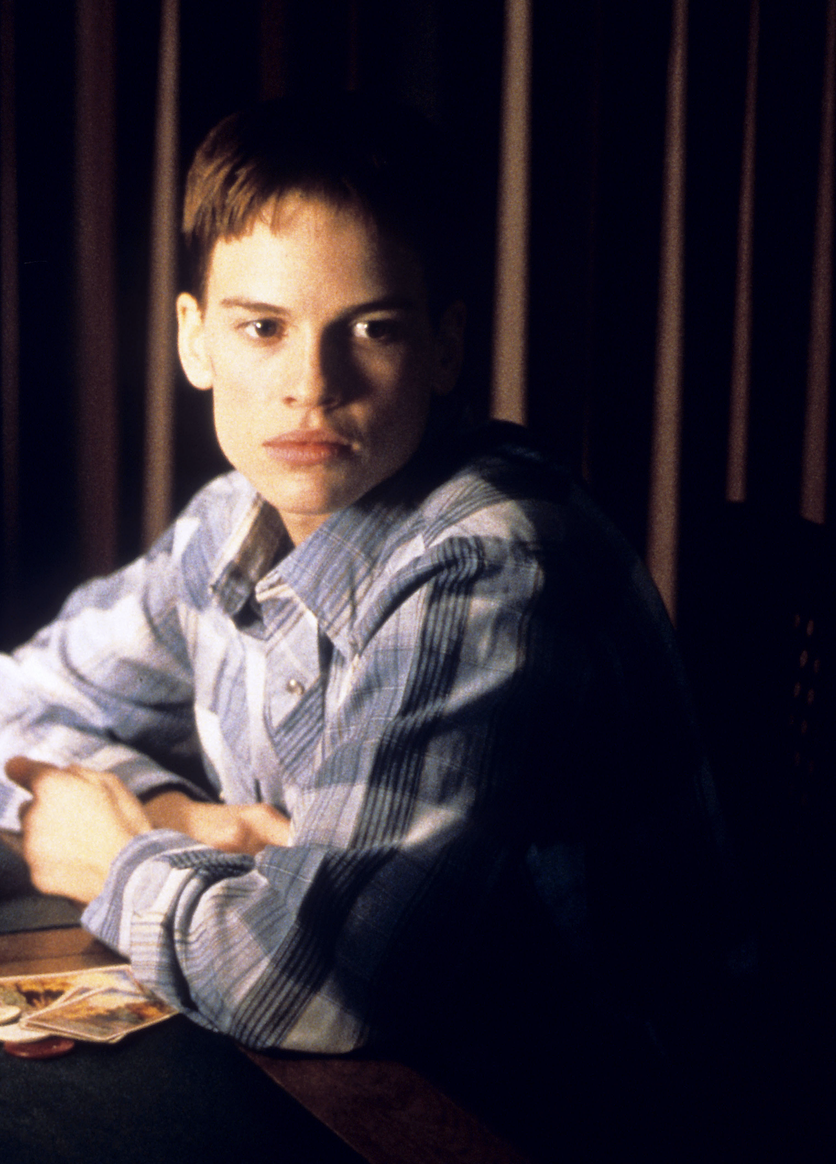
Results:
<point x="332" y="569"/>
<point x="258" y="538"/>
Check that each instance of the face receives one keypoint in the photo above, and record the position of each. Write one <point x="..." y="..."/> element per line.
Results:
<point x="315" y="337"/>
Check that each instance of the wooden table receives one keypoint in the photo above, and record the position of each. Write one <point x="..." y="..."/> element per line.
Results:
<point x="382" y="1109"/>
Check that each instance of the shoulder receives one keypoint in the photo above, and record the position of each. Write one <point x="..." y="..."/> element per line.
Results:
<point x="507" y="506"/>
<point x="510" y="490"/>
<point x="501" y="488"/>
<point x="491" y="495"/>
<point x="474" y="525"/>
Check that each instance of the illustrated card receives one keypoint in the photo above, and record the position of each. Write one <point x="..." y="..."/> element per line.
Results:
<point x="37" y="996"/>
<point x="33" y="992"/>
<point x="101" y="1016"/>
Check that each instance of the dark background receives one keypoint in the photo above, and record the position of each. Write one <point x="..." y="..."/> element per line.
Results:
<point x="597" y="131"/>
<point x="756" y="582"/>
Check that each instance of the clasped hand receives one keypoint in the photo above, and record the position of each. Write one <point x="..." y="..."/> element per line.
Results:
<point x="79" y="820"/>
<point x="76" y="823"/>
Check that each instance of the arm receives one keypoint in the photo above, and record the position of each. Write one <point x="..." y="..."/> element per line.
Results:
<point x="99" y="686"/>
<point x="79" y="820"/>
<point x="232" y="828"/>
<point x="110" y="679"/>
<point x="403" y="828"/>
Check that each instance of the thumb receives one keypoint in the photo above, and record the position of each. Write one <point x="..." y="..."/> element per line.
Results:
<point x="24" y="771"/>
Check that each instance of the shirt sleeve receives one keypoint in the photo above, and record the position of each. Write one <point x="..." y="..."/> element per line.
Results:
<point x="107" y="684"/>
<point x="347" y="935"/>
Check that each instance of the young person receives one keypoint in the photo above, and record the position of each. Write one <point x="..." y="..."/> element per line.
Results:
<point x="436" y="698"/>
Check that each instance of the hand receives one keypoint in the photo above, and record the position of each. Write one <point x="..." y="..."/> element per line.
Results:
<point x="76" y="824"/>
<point x="234" y="828"/>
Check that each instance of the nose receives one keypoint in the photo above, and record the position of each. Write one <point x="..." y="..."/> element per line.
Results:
<point x="314" y="380"/>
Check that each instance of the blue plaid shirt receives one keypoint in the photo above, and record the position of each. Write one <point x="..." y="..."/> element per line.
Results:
<point x="427" y="686"/>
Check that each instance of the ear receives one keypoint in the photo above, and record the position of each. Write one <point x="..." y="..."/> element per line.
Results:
<point x="450" y="341"/>
<point x="191" y="342"/>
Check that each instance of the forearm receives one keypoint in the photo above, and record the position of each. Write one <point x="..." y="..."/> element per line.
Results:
<point x="301" y="948"/>
<point x="348" y="934"/>
<point x="171" y="809"/>
<point x="232" y="828"/>
<point x="212" y="934"/>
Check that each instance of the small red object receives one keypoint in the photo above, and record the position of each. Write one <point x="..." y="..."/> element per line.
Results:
<point x="49" y="1048"/>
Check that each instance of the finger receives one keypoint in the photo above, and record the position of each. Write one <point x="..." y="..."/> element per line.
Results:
<point x="120" y="796"/>
<point x="107" y="781"/>
<point x="93" y="776"/>
<point x="25" y="772"/>
<point x="102" y="779"/>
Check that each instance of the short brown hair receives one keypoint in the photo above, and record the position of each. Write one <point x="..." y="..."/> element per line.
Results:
<point x="348" y="149"/>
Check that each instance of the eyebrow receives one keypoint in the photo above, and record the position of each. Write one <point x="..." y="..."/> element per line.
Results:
<point x="385" y="303"/>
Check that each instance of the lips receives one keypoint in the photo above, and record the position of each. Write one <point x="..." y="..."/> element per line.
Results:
<point x="308" y="447"/>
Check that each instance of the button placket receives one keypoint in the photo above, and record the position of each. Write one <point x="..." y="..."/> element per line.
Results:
<point x="292" y="658"/>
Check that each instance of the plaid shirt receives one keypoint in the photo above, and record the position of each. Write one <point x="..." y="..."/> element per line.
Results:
<point x="396" y="684"/>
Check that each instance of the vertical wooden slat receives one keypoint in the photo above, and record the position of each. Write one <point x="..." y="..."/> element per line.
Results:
<point x="814" y="457"/>
<point x="663" y="523"/>
<point x="508" y="388"/>
<point x="96" y="283"/>
<point x="737" y="460"/>
<point x="9" y="304"/>
<point x="158" y="490"/>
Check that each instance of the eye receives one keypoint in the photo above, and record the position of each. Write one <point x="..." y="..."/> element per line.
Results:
<point x="382" y="330"/>
<point x="263" y="329"/>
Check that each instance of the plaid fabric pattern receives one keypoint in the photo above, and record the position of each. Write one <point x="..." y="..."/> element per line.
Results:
<point x="383" y="683"/>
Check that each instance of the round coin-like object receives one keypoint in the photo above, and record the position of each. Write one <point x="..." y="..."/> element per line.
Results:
<point x="8" y="1014"/>
<point x="49" y="1048"/>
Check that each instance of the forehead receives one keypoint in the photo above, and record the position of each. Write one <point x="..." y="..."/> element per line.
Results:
<point x="312" y="243"/>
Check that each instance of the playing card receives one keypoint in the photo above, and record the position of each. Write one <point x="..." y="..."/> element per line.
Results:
<point x="101" y="1016"/>
<point x="34" y="992"/>
<point x="101" y="1005"/>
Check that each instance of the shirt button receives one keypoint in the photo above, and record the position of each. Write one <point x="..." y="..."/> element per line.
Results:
<point x="294" y="687"/>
